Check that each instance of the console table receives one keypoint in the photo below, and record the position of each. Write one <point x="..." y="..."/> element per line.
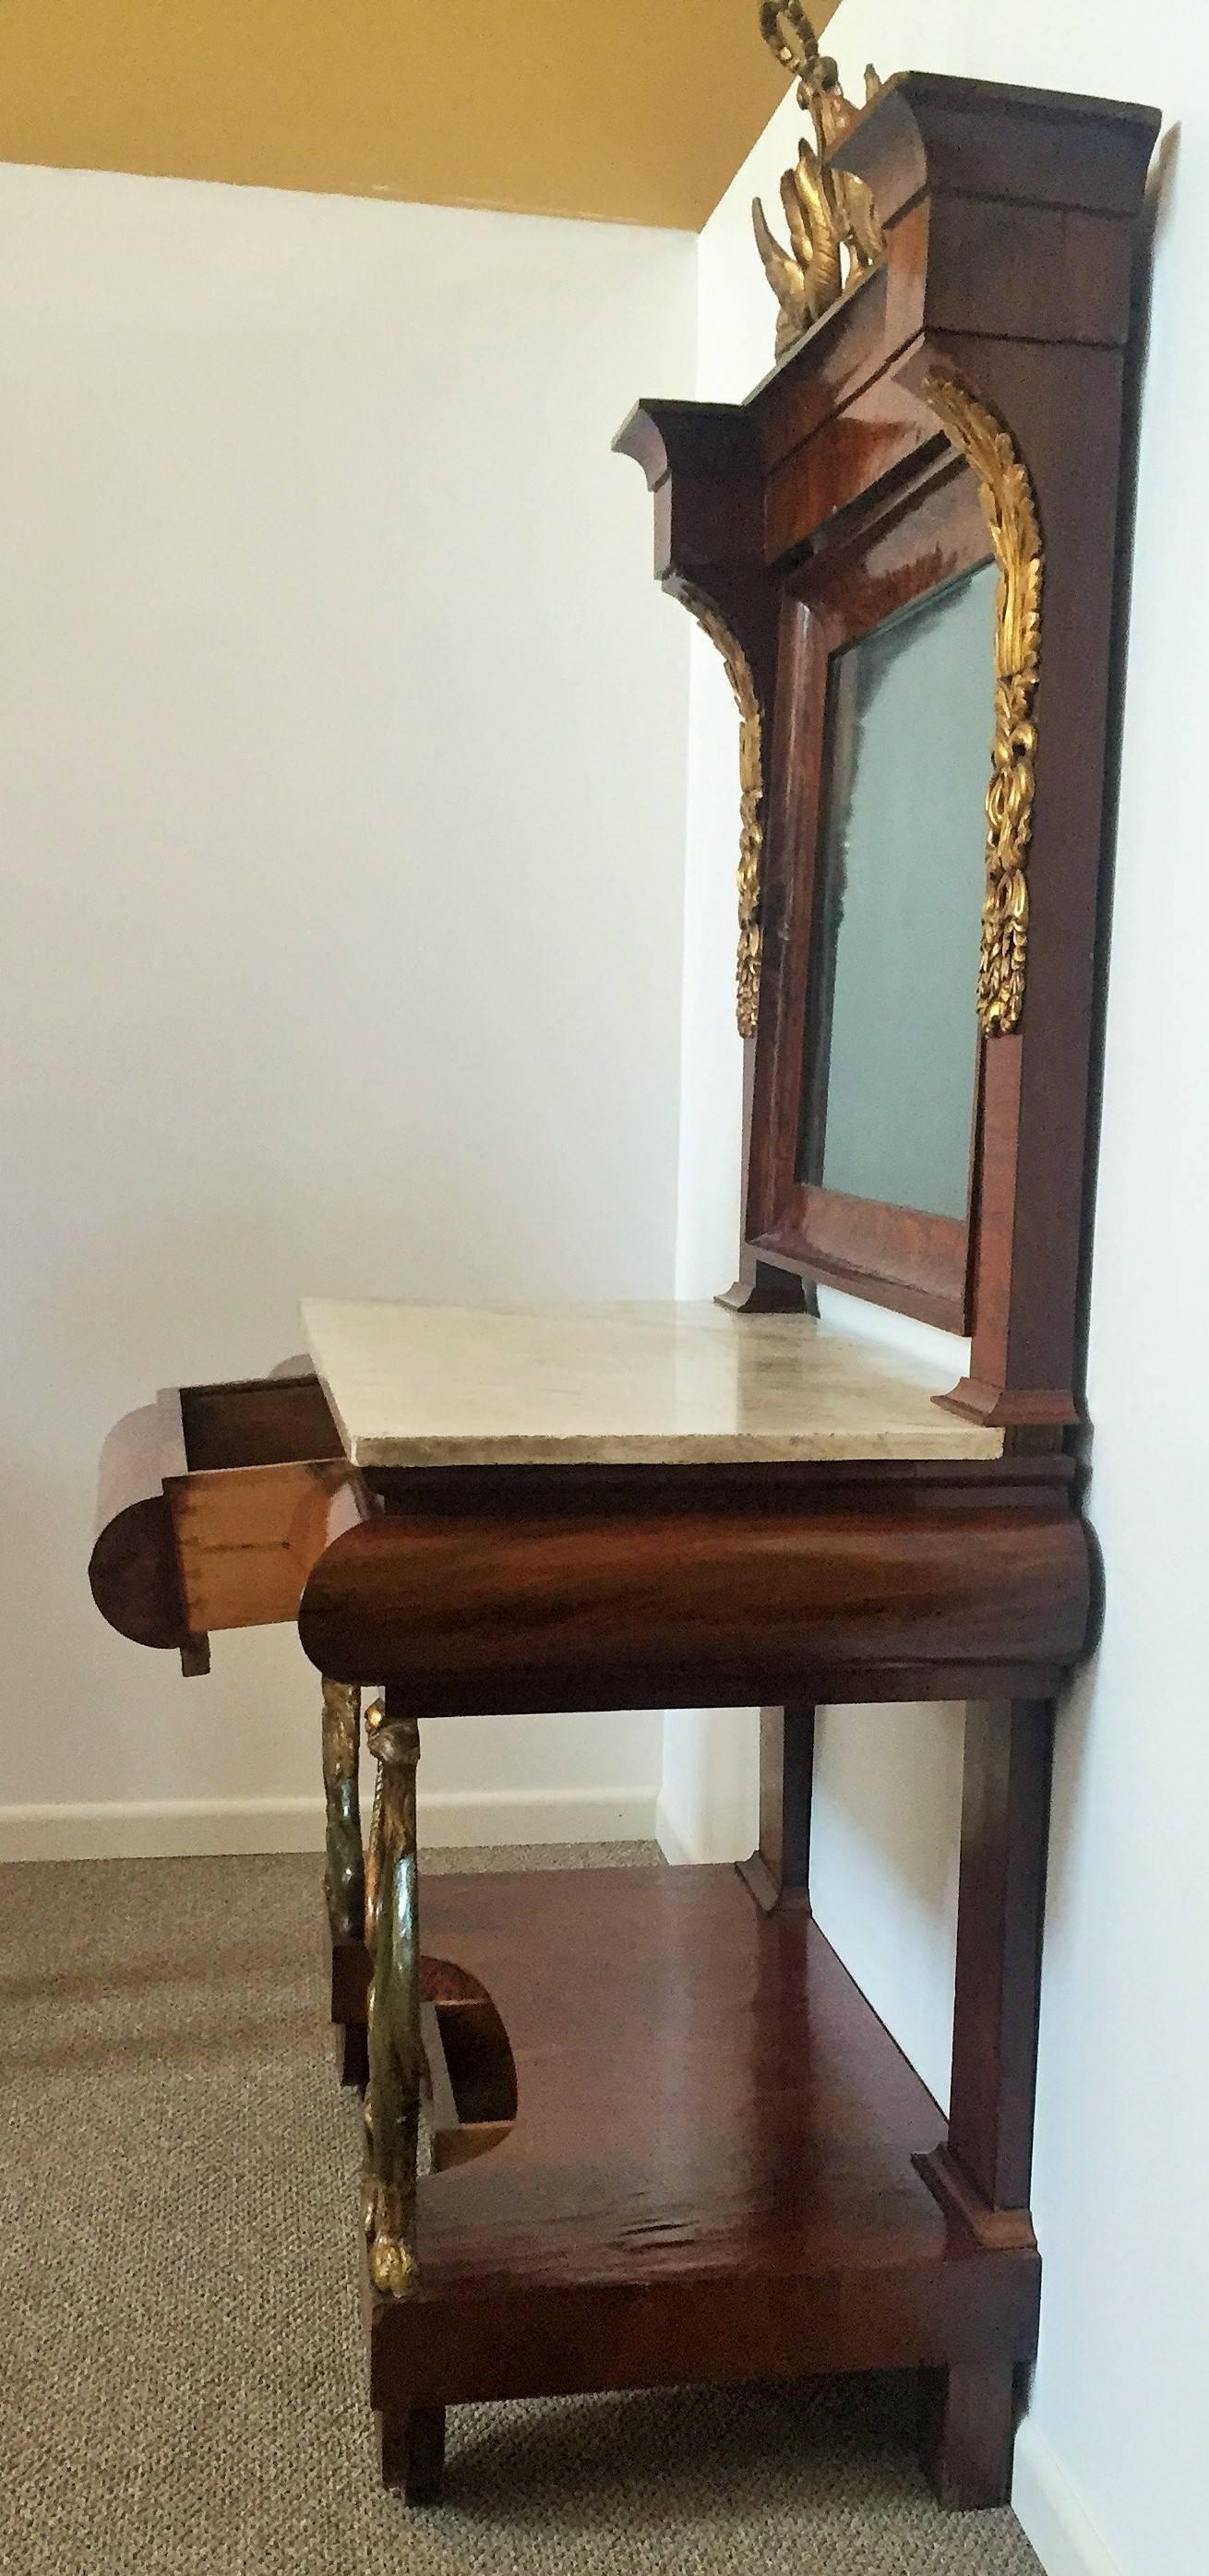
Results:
<point x="671" y="2140"/>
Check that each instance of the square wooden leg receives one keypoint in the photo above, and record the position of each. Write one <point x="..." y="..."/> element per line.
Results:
<point x="344" y="1877"/>
<point x="778" y="1871"/>
<point x="350" y="1975"/>
<point x="352" y="2055"/>
<point x="968" y="2426"/>
<point x="413" y="2453"/>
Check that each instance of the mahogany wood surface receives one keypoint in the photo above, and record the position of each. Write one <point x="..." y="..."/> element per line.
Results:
<point x="209" y="1520"/>
<point x="711" y="2172"/>
<point x="1001" y="1902"/>
<point x="257" y="1422"/>
<point x="967" y="2428"/>
<point x="350" y="1971"/>
<point x="644" y="1600"/>
<point x="413" y="2452"/>
<point x="132" y="1570"/>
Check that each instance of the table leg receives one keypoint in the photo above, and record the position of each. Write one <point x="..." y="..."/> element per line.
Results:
<point x="1000" y="1917"/>
<point x="413" y="2452"/>
<point x="968" y="2432"/>
<point x="983" y="2173"/>
<point x="780" y="1866"/>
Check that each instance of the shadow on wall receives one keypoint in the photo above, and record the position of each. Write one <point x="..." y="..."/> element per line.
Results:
<point x="886" y="1846"/>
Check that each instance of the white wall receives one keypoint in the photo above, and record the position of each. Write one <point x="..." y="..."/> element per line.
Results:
<point x="344" y="930"/>
<point x="342" y="791"/>
<point x="709" y="1804"/>
<point x="1109" y="2464"/>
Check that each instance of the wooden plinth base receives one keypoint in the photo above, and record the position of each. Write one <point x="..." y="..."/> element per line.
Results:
<point x="711" y="2176"/>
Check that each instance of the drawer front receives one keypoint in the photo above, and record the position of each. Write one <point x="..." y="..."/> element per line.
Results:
<point x="215" y="1502"/>
<point x="479" y="1613"/>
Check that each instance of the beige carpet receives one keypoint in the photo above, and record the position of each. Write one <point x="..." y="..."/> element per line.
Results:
<point x="182" y="2376"/>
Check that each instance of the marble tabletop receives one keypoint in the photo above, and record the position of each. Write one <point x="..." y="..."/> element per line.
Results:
<point x="623" y="1385"/>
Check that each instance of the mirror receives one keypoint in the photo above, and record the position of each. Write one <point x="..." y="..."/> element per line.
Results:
<point x="893" y="1035"/>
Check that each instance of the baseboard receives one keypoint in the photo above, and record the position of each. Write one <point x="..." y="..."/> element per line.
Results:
<point x="674" y="1844"/>
<point x="465" y="1818"/>
<point x="173" y="1828"/>
<point x="1052" y="2515"/>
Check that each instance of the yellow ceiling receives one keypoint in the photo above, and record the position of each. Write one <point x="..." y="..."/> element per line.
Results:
<point x="637" y="111"/>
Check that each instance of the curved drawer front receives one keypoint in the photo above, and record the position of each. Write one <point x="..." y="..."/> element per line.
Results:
<point x="479" y="1613"/>
<point x="214" y="1504"/>
<point x="133" y="1570"/>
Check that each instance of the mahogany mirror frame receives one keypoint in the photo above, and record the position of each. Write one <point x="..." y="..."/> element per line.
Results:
<point x="983" y="359"/>
<point x="901" y="551"/>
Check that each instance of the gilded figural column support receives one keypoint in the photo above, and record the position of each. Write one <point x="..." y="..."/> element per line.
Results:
<point x="396" y="2051"/>
<point x="344" y="1874"/>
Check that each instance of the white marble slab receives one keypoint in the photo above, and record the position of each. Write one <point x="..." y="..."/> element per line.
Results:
<point x="633" y="1385"/>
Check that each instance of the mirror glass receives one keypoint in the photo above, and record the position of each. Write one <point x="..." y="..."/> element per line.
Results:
<point x="893" y="1034"/>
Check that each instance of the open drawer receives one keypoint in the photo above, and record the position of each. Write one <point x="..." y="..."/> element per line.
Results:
<point x="215" y="1502"/>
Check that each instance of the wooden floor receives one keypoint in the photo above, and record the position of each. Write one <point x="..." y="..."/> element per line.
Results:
<point x="711" y="2173"/>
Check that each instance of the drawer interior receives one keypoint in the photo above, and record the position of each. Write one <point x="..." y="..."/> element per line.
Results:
<point x="260" y="1422"/>
<point x="261" y="1488"/>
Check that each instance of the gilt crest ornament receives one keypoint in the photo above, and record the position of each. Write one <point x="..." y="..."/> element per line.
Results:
<point x="834" y="234"/>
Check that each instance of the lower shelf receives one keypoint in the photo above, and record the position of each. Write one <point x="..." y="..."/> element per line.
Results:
<point x="710" y="2176"/>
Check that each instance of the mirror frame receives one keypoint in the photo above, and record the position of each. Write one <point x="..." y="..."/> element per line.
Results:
<point x="982" y="357"/>
<point x="895" y="557"/>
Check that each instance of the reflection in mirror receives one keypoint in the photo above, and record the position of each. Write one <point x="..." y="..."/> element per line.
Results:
<point x="892" y="1046"/>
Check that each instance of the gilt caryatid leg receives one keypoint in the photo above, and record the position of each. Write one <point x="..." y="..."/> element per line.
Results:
<point x="396" y="2054"/>
<point x="344" y="1875"/>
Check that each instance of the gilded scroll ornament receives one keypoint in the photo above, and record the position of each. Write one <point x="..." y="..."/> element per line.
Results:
<point x="1011" y="513"/>
<point x="751" y="798"/>
<point x="834" y="234"/>
<point x="396" y="2049"/>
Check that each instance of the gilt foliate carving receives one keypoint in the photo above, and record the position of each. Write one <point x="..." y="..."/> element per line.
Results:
<point x="1010" y="508"/>
<point x="751" y="801"/>
<point x="834" y="234"/>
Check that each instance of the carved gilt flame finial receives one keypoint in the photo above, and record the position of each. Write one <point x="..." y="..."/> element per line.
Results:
<point x="834" y="233"/>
